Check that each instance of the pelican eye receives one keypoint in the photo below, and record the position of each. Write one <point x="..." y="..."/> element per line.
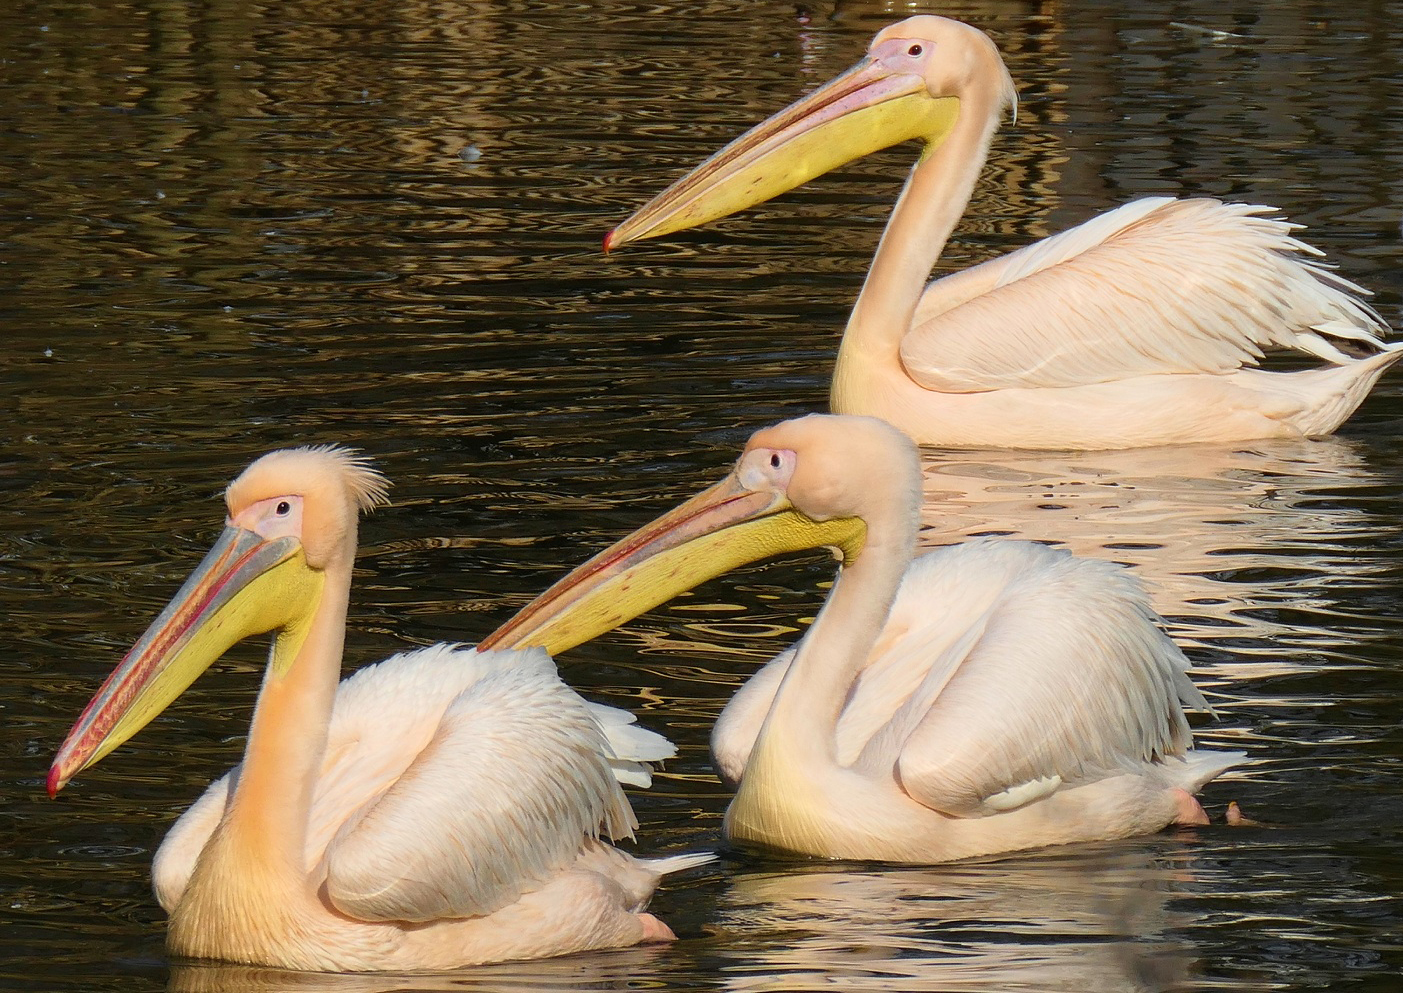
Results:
<point x="914" y="50"/>
<point x="774" y="460"/>
<point x="284" y="508"/>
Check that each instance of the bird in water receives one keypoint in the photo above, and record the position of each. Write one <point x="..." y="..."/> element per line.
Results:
<point x="444" y="807"/>
<point x="1146" y="325"/>
<point x="986" y="697"/>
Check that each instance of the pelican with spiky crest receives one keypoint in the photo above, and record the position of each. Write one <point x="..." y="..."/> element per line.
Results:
<point x="441" y="808"/>
<point x="1143" y="326"/>
<point x="983" y="698"/>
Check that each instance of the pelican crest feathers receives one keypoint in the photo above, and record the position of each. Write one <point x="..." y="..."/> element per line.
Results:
<point x="334" y="468"/>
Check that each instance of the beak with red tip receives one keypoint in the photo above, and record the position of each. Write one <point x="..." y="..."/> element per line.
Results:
<point x="246" y="585"/>
<point x="870" y="107"/>
<point x="719" y="529"/>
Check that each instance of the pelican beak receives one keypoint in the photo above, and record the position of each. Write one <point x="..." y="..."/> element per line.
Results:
<point x="717" y="530"/>
<point x="867" y="108"/>
<point x="246" y="585"/>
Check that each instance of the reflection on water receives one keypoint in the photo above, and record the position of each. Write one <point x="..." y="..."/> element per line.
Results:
<point x="232" y="226"/>
<point x="1220" y="534"/>
<point x="1256" y="555"/>
<point x="1098" y="920"/>
<point x="573" y="974"/>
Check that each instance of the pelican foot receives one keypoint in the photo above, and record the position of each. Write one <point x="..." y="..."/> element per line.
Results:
<point x="655" y="930"/>
<point x="1187" y="810"/>
<point x="1236" y="818"/>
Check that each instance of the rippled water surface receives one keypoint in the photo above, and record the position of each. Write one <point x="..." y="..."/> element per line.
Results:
<point x="229" y="227"/>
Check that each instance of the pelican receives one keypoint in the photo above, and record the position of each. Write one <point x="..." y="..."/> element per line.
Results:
<point x="1143" y="326"/>
<point x="441" y="808"/>
<point x="987" y="697"/>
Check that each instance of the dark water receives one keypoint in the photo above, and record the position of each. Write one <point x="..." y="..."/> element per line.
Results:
<point x="229" y="227"/>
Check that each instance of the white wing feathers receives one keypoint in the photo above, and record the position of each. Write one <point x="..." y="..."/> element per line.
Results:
<point x="948" y="292"/>
<point x="1157" y="286"/>
<point x="493" y="778"/>
<point x="734" y="733"/>
<point x="907" y="671"/>
<point x="181" y="847"/>
<point x="1006" y="671"/>
<point x="631" y="747"/>
<point x="501" y="798"/>
<point x="1066" y="680"/>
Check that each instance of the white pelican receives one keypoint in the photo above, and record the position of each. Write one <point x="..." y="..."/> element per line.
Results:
<point x="438" y="809"/>
<point x="1143" y="326"/>
<point x="986" y="697"/>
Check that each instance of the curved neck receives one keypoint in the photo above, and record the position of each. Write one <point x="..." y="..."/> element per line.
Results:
<point x="803" y="718"/>
<point x="269" y="812"/>
<point x="931" y="204"/>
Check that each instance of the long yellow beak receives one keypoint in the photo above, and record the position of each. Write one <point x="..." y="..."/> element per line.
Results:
<point x="869" y="107"/>
<point x="246" y="585"/>
<point x="717" y="530"/>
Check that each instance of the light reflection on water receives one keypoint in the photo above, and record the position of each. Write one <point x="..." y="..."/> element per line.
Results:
<point x="229" y="227"/>
<point x="1256" y="554"/>
<point x="1096" y="922"/>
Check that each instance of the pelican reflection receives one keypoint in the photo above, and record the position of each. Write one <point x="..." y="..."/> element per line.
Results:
<point x="1099" y="918"/>
<point x="1217" y="532"/>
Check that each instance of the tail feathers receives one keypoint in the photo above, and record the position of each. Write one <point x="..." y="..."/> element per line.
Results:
<point x="638" y="774"/>
<point x="632" y="746"/>
<point x="676" y="863"/>
<point x="1201" y="767"/>
<point x="1334" y="392"/>
<point x="1366" y="338"/>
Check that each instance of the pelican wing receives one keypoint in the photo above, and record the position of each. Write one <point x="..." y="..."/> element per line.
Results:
<point x="410" y="692"/>
<point x="181" y="847"/>
<point x="733" y="736"/>
<point x="1154" y="287"/>
<point x="630" y="748"/>
<point x="504" y="794"/>
<point x="372" y="781"/>
<point x="1054" y="674"/>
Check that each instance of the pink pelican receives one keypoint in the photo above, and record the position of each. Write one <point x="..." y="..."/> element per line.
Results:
<point x="442" y="808"/>
<point x="1143" y="326"/>
<point x="983" y="698"/>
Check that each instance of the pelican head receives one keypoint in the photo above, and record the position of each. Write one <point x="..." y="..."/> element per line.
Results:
<point x="918" y="78"/>
<point x="292" y="516"/>
<point x="817" y="481"/>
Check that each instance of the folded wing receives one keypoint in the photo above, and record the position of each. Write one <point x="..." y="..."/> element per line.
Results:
<point x="495" y="777"/>
<point x="1060" y="677"/>
<point x="513" y="782"/>
<point x="1158" y="286"/>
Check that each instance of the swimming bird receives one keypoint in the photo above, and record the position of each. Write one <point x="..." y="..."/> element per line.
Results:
<point x="983" y="698"/>
<point x="1143" y="326"/>
<point x="441" y="808"/>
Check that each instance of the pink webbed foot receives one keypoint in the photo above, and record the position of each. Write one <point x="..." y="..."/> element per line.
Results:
<point x="1236" y="818"/>
<point x="1187" y="810"/>
<point x="654" y="930"/>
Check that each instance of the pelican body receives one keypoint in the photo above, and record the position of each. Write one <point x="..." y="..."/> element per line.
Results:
<point x="441" y="808"/>
<point x="988" y="697"/>
<point x="1143" y="326"/>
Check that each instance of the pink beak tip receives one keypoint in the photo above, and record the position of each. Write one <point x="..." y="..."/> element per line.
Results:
<point x="55" y="781"/>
